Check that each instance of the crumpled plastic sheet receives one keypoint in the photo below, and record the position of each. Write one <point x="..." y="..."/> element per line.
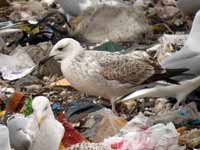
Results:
<point x="140" y="134"/>
<point x="187" y="115"/>
<point x="15" y="73"/>
<point x="17" y="65"/>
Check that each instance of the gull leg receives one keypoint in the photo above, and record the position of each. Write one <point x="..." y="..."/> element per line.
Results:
<point x="180" y="99"/>
<point x="176" y="106"/>
<point x="84" y="94"/>
<point x="113" y="105"/>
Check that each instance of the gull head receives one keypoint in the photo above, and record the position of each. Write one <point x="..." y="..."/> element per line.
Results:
<point x="194" y="36"/>
<point x="65" y="48"/>
<point x="41" y="109"/>
<point x="196" y="20"/>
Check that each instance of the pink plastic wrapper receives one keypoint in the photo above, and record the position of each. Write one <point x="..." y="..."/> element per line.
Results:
<point x="139" y="134"/>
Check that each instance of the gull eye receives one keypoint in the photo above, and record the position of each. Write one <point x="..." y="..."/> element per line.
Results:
<point x="46" y="108"/>
<point x="10" y="118"/>
<point x="60" y="49"/>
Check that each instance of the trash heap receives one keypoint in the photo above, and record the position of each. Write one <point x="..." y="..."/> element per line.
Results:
<point x="29" y="30"/>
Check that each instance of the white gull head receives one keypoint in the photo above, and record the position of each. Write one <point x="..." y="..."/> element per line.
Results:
<point x="41" y="109"/>
<point x="194" y="36"/>
<point x="64" y="48"/>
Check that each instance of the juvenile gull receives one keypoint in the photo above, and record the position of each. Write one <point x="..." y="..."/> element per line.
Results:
<point x="50" y="132"/>
<point x="189" y="55"/>
<point x="77" y="7"/>
<point x="106" y="74"/>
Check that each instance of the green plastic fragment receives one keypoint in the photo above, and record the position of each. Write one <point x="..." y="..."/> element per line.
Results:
<point x="28" y="106"/>
<point x="109" y="47"/>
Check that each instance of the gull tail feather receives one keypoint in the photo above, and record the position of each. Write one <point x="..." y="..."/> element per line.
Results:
<point x="141" y="93"/>
<point x="168" y="74"/>
<point x="176" y="72"/>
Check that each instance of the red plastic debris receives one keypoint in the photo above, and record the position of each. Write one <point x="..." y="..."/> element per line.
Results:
<point x="15" y="103"/>
<point x="117" y="146"/>
<point x="71" y="135"/>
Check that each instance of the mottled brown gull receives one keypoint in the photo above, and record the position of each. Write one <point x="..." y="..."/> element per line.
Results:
<point x="106" y="74"/>
<point x="77" y="7"/>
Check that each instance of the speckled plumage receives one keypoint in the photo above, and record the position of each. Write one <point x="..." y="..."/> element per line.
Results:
<point x="125" y="68"/>
<point x="101" y="73"/>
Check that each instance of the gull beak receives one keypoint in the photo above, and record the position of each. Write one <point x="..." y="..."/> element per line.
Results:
<point x="39" y="118"/>
<point x="45" y="60"/>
